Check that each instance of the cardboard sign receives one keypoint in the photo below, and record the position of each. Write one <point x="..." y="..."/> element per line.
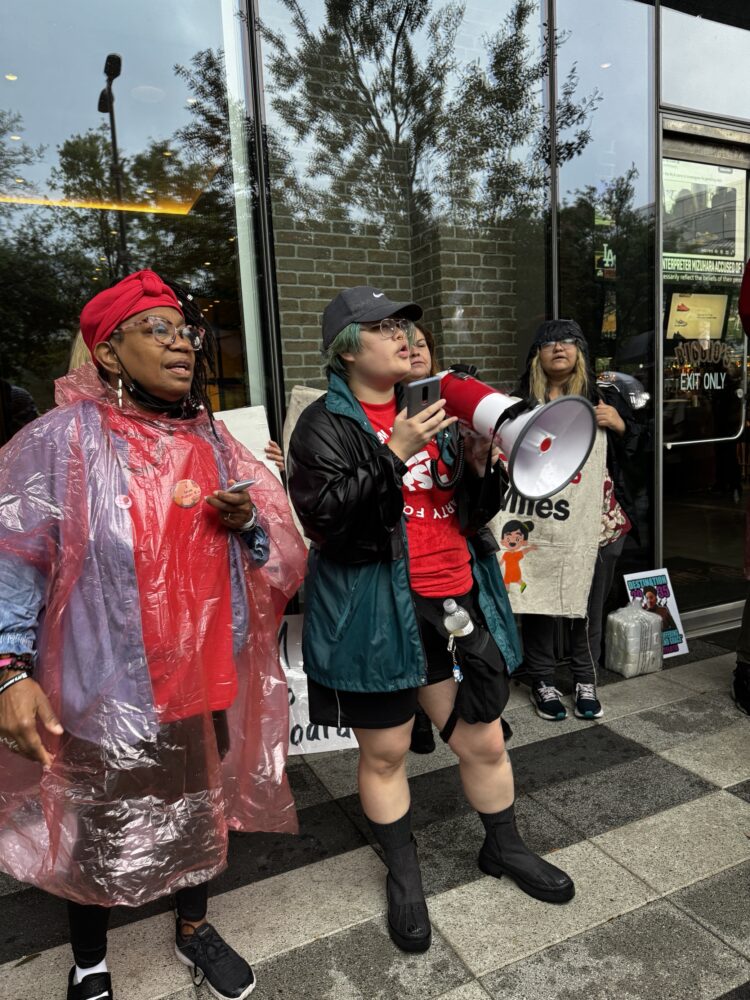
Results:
<point x="249" y="425"/>
<point x="304" y="737"/>
<point x="548" y="548"/>
<point x="653" y="590"/>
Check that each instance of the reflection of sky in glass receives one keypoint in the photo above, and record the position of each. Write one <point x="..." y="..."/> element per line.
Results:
<point x="610" y="43"/>
<point x="482" y="18"/>
<point x="705" y="64"/>
<point x="57" y="51"/>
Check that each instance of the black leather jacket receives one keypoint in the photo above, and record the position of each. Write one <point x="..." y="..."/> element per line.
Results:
<point x="346" y="486"/>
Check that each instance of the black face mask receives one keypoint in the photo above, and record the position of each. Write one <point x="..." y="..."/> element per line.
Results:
<point x="184" y="408"/>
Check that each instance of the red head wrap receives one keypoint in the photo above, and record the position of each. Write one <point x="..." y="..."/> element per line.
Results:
<point x="104" y="313"/>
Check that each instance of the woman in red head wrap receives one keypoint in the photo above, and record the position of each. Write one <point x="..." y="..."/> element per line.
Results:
<point x="143" y="710"/>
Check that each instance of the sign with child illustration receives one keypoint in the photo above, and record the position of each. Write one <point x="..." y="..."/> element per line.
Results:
<point x="548" y="547"/>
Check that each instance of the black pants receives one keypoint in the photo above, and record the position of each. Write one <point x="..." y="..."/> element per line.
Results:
<point x="89" y="924"/>
<point x="585" y="635"/>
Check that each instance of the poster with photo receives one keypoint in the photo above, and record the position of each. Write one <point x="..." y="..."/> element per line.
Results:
<point x="704" y="221"/>
<point x="653" y="590"/>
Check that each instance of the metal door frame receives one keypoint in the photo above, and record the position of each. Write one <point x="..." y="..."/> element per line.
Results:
<point x="718" y="131"/>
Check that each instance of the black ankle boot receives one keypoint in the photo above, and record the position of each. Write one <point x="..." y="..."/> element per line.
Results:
<point x="504" y="853"/>
<point x="422" y="738"/>
<point x="741" y="687"/>
<point x="408" y="920"/>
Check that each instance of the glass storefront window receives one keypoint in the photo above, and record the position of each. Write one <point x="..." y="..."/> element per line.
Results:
<point x="704" y="48"/>
<point x="121" y="149"/>
<point x="408" y="152"/>
<point x="607" y="210"/>
<point x="704" y="256"/>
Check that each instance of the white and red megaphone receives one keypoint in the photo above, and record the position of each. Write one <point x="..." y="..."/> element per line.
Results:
<point x="544" y="447"/>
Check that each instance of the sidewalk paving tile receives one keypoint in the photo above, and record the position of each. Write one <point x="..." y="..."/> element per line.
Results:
<point x="655" y="951"/>
<point x="469" y="991"/>
<point x="679" y="846"/>
<point x="307" y="789"/>
<point x="289" y="910"/>
<point x="740" y="993"/>
<point x="140" y="957"/>
<point x="681" y="721"/>
<point x="359" y="964"/>
<point x="540" y="765"/>
<point x="598" y="802"/>
<point x="742" y="790"/>
<point x="720" y="903"/>
<point x="338" y="770"/>
<point x="492" y="922"/>
<point x="714" y="674"/>
<point x="448" y="849"/>
<point x="722" y="757"/>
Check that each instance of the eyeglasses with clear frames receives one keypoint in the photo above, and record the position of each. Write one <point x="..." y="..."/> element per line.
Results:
<point x="567" y="341"/>
<point x="165" y="332"/>
<point x="390" y="329"/>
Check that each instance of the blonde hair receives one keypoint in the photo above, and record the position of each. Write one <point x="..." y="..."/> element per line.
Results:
<point x="577" y="383"/>
<point x="79" y="353"/>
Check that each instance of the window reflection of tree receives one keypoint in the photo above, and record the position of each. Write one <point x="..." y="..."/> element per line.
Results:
<point x="590" y="217"/>
<point x="402" y="136"/>
<point x="395" y="122"/>
<point x="54" y="259"/>
<point x="402" y="139"/>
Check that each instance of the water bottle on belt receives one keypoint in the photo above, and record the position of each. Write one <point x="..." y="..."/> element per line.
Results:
<point x="457" y="622"/>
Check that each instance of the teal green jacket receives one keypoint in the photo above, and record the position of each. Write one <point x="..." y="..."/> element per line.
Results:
<point x="360" y="629"/>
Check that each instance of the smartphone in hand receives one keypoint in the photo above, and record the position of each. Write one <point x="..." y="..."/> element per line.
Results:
<point x="242" y="485"/>
<point x="421" y="394"/>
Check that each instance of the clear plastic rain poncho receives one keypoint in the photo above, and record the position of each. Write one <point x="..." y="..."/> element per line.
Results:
<point x="155" y="632"/>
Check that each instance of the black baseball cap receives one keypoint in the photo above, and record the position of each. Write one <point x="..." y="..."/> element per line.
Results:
<point x="362" y="304"/>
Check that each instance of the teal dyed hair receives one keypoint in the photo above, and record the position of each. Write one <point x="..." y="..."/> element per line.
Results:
<point x="345" y="342"/>
<point x="348" y="342"/>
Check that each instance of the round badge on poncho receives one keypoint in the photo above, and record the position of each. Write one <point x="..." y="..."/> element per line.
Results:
<point x="186" y="493"/>
<point x="123" y="501"/>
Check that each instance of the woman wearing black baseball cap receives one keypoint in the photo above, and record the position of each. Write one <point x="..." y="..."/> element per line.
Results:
<point x="389" y="543"/>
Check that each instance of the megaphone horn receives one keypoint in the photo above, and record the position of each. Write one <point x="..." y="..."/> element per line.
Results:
<point x="544" y="447"/>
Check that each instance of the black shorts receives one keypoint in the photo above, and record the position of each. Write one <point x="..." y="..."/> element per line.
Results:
<point x="480" y="697"/>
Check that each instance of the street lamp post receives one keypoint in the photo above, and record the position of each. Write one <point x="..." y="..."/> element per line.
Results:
<point x="112" y="69"/>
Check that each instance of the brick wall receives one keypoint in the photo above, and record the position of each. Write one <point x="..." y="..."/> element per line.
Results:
<point x="464" y="282"/>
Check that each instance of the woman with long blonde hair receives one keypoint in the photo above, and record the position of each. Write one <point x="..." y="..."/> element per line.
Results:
<point x="558" y="365"/>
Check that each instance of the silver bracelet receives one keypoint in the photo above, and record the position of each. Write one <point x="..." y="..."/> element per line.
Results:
<point x="249" y="525"/>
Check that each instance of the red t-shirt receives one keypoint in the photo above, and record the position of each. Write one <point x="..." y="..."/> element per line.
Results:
<point x="439" y="560"/>
<point x="181" y="553"/>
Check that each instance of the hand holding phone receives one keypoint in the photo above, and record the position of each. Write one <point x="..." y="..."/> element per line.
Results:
<point x="238" y="510"/>
<point x="242" y="485"/>
<point x="421" y="394"/>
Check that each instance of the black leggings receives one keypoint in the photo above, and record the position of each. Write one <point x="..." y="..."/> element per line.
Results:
<point x="88" y="924"/>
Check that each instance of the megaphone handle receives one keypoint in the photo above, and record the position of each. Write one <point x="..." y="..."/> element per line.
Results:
<point x="512" y="412"/>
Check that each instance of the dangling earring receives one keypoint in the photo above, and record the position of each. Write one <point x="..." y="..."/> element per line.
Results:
<point x="119" y="390"/>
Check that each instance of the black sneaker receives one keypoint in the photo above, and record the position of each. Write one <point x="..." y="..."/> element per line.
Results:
<point x="97" y="986"/>
<point x="227" y="975"/>
<point x="741" y="687"/>
<point x="588" y="705"/>
<point x="546" y="700"/>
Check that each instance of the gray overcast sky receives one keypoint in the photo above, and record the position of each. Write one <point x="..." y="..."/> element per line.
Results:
<point x="57" y="50"/>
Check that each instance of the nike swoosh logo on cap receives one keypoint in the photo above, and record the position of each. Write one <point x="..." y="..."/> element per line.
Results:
<point x="378" y="295"/>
